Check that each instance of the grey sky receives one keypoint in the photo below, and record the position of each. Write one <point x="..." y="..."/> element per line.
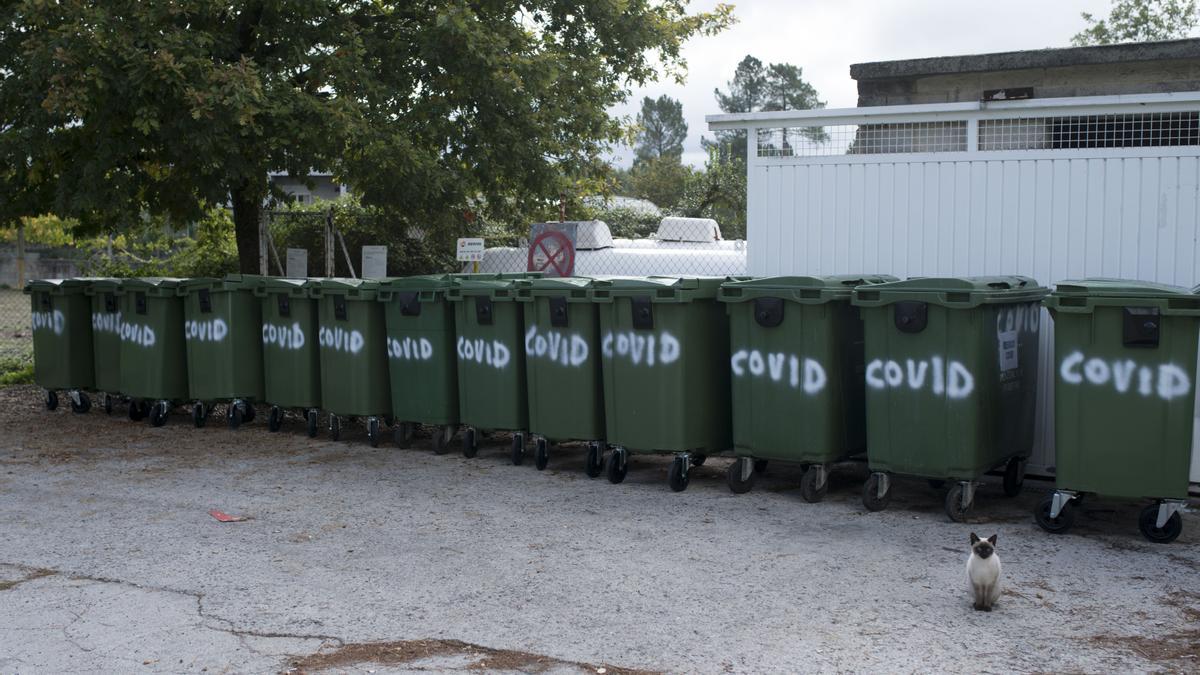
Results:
<point x="825" y="36"/>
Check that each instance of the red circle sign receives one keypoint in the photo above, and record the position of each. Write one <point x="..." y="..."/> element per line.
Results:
<point x="553" y="254"/>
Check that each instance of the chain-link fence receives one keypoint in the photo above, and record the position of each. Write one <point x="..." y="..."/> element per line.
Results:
<point x="16" y="326"/>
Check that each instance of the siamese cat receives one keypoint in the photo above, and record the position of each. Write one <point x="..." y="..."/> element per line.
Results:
<point x="983" y="572"/>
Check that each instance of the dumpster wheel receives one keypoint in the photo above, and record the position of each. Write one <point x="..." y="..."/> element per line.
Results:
<point x="158" y="413"/>
<point x="959" y="500"/>
<point x="814" y="484"/>
<point x="1059" y="524"/>
<point x="541" y="453"/>
<point x="1014" y="476"/>
<point x="594" y="464"/>
<point x="51" y="400"/>
<point x="274" y="419"/>
<point x="740" y="475"/>
<point x="233" y="415"/>
<point x="518" y="449"/>
<point x="335" y="428"/>
<point x="441" y="439"/>
<point x="1148" y="524"/>
<point x="678" y="477"/>
<point x="373" y="431"/>
<point x="313" y="422"/>
<point x="137" y="411"/>
<point x="108" y="404"/>
<point x="617" y="465"/>
<point x="80" y="403"/>
<point x="403" y="434"/>
<point x="199" y="414"/>
<point x="760" y="466"/>
<point x="877" y="491"/>
<point x="470" y="444"/>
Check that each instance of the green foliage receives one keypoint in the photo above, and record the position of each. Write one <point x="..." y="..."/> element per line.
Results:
<point x="151" y="248"/>
<point x="115" y="107"/>
<point x="45" y="230"/>
<point x="15" y="372"/>
<point x="622" y="222"/>
<point x="1139" y="21"/>
<point x="755" y="88"/>
<point x="661" y="130"/>
<point x="718" y="192"/>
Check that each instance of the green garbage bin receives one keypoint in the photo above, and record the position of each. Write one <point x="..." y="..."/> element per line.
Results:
<point x="1125" y="360"/>
<point x="490" y="325"/>
<point x="562" y="367"/>
<point x="291" y="360"/>
<point x="352" y="341"/>
<point x="797" y="366"/>
<point x="222" y="327"/>
<point x="154" y="372"/>
<point x="664" y="344"/>
<point x="422" y="364"/>
<point x="105" y="294"/>
<point x="952" y="369"/>
<point x="62" y="340"/>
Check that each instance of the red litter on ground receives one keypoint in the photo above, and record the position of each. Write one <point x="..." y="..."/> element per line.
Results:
<point x="226" y="518"/>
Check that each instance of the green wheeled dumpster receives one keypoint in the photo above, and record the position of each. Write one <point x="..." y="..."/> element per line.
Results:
<point x="62" y="340"/>
<point x="422" y="364"/>
<point x="106" y="338"/>
<point x="222" y="327"/>
<point x="951" y="375"/>
<point x="562" y="367"/>
<point x="352" y="339"/>
<point x="664" y="344"/>
<point x="1124" y="396"/>
<point x="796" y="365"/>
<point x="291" y="360"/>
<point x="490" y="326"/>
<point x="154" y="369"/>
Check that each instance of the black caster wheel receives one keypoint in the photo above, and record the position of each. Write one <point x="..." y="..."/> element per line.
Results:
<point x="199" y="415"/>
<point x="616" y="466"/>
<point x="1148" y="524"/>
<point x="234" y="416"/>
<point x="84" y="405"/>
<point x="740" y="481"/>
<point x="872" y="499"/>
<point x="1064" y="521"/>
<point x="335" y="428"/>
<point x="137" y="411"/>
<point x="274" y="419"/>
<point x="441" y="439"/>
<point x="373" y="431"/>
<point x="953" y="504"/>
<point x="541" y="454"/>
<point x="470" y="442"/>
<point x="937" y="484"/>
<point x="809" y="490"/>
<point x="313" y="423"/>
<point x="760" y="466"/>
<point x="158" y="414"/>
<point x="108" y="404"/>
<point x="248" y="412"/>
<point x="51" y="400"/>
<point x="678" y="477"/>
<point x="594" y="464"/>
<point x="389" y="421"/>
<point x="699" y="459"/>
<point x="518" y="449"/>
<point x="403" y="434"/>
<point x="1014" y="476"/>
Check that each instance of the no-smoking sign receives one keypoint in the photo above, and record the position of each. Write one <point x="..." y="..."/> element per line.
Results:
<point x="552" y="249"/>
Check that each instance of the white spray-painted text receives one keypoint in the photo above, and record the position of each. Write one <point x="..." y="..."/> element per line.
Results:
<point x="1168" y="381"/>
<point x="410" y="349"/>
<point x="952" y="379"/>
<point x="566" y="349"/>
<point x="213" y="330"/>
<point x="799" y="373"/>
<point x="494" y="353"/>
<point x="51" y="321"/>
<point x="340" y="339"/>
<point x="662" y="349"/>
<point x="285" y="337"/>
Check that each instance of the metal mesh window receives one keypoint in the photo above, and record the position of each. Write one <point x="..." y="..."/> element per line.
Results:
<point x="864" y="139"/>
<point x="1133" y="130"/>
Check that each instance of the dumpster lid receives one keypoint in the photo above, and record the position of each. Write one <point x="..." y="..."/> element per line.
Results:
<point x="574" y="289"/>
<point x="335" y="284"/>
<point x="102" y="285"/>
<point x="283" y="283"/>
<point x="154" y="282"/>
<point x="801" y="288"/>
<point x="659" y="287"/>
<point x="230" y="282"/>
<point x="425" y="282"/>
<point x="1104" y="287"/>
<point x="57" y="285"/>
<point x="954" y="291"/>
<point x="495" y="286"/>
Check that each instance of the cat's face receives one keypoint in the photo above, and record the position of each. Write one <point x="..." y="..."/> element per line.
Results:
<point x="984" y="548"/>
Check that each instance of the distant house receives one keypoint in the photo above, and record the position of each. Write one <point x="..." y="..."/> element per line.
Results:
<point x="323" y="186"/>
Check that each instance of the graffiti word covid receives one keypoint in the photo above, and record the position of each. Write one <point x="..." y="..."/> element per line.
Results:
<point x="284" y="337"/>
<point x="798" y="373"/>
<point x="1167" y="381"/>
<point x="951" y="379"/>
<point x="661" y="349"/>
<point x="138" y="334"/>
<point x="410" y="349"/>
<point x="484" y="352"/>
<point x="213" y="330"/>
<point x="566" y="349"/>
<point x="340" y="339"/>
<point x="107" y="322"/>
<point x="51" y="321"/>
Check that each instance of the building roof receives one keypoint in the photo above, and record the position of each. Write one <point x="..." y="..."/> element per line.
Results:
<point x="1030" y="59"/>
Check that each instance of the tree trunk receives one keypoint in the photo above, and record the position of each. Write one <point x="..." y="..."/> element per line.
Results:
<point x="247" y="204"/>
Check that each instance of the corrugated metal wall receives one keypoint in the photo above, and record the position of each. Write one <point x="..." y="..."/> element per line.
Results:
<point x="1052" y="215"/>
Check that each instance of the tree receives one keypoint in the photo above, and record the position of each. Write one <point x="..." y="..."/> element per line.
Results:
<point x="718" y="192"/>
<point x="1139" y="21"/>
<point x="661" y="129"/>
<point x="661" y="180"/>
<point x="111" y="108"/>
<point x="754" y="88"/>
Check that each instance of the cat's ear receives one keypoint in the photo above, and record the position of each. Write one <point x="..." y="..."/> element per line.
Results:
<point x="974" y="539"/>
<point x="992" y="540"/>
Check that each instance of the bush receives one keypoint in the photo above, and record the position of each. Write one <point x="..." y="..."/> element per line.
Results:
<point x="149" y="249"/>
<point x="15" y="372"/>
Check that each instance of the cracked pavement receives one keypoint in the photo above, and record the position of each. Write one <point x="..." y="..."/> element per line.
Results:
<point x="110" y="562"/>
